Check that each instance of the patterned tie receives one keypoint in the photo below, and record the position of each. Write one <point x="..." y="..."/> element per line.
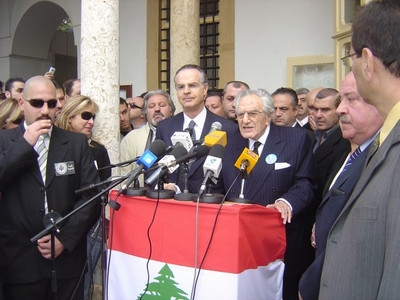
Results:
<point x="352" y="158"/>
<point x="42" y="150"/>
<point x="191" y="126"/>
<point x="255" y="147"/>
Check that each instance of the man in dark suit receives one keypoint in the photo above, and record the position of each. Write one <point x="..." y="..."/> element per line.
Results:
<point x="27" y="194"/>
<point x="329" y="144"/>
<point x="281" y="179"/>
<point x="286" y="110"/>
<point x="360" y="124"/>
<point x="191" y="86"/>
<point x="302" y="108"/>
<point x="362" y="249"/>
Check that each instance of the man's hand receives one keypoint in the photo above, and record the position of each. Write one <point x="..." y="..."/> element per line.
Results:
<point x="312" y="123"/>
<point x="36" y="129"/>
<point x="313" y="243"/>
<point x="284" y="209"/>
<point x="44" y="246"/>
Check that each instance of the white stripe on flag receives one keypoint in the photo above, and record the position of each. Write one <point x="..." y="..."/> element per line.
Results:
<point x="128" y="280"/>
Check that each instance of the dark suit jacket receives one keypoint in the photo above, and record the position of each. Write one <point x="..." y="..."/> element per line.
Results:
<point x="22" y="204"/>
<point x="308" y="130"/>
<point x="331" y="205"/>
<point x="168" y="127"/>
<point x="326" y="155"/>
<point x="295" y="183"/>
<point x="362" y="248"/>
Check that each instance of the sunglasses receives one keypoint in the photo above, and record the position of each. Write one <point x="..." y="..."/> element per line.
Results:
<point x="133" y="105"/>
<point x="86" y="115"/>
<point x="38" y="103"/>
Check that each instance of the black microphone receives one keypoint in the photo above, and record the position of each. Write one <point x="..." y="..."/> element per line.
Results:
<point x="176" y="153"/>
<point x="145" y="161"/>
<point x="212" y="165"/>
<point x="198" y="152"/>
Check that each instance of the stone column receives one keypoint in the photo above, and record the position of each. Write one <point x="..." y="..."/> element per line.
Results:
<point x="100" y="68"/>
<point x="185" y="38"/>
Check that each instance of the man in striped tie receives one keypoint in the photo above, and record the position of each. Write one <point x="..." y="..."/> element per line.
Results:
<point x="41" y="166"/>
<point x="360" y="123"/>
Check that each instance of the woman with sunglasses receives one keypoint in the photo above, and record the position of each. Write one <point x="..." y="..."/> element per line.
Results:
<point x="10" y="114"/>
<point x="78" y="114"/>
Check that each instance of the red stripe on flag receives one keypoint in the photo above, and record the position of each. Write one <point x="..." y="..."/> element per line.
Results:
<point x="246" y="236"/>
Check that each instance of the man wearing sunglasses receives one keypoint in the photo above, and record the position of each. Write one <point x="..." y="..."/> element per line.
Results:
<point x="40" y="168"/>
<point x="135" y="112"/>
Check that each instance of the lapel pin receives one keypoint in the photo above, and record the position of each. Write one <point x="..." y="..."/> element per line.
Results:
<point x="270" y="159"/>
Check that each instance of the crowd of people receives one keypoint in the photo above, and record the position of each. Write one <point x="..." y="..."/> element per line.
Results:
<point x="327" y="162"/>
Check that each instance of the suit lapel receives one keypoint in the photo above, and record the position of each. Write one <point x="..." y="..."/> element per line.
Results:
<point x="376" y="157"/>
<point x="262" y="170"/>
<point x="351" y="172"/>
<point x="34" y="166"/>
<point x="326" y="147"/>
<point x="57" y="153"/>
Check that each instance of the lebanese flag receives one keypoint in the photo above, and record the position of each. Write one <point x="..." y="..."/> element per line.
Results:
<point x="244" y="259"/>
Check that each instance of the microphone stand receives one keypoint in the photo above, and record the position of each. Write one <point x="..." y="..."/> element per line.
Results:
<point x="209" y="197"/>
<point x="160" y="192"/>
<point x="52" y="220"/>
<point x="185" y="196"/>
<point x="241" y="198"/>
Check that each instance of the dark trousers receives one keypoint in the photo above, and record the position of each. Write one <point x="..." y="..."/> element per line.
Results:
<point x="41" y="290"/>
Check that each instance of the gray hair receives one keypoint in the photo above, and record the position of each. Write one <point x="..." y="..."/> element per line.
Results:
<point x="157" y="92"/>
<point x="266" y="99"/>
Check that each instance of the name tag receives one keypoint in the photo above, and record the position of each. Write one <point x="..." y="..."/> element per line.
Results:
<point x="64" y="168"/>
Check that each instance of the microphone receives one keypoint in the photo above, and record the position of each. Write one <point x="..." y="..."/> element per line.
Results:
<point x="145" y="161"/>
<point x="183" y="138"/>
<point x="212" y="166"/>
<point x="163" y="168"/>
<point x="197" y="153"/>
<point x="214" y="136"/>
<point x="246" y="161"/>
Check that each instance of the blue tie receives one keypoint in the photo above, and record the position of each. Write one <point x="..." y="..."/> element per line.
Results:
<point x="352" y="158"/>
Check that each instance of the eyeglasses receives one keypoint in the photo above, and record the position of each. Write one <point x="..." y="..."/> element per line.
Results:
<point x="345" y="60"/>
<point x="38" y="103"/>
<point x="133" y="106"/>
<point x="251" y="114"/>
<point x="86" y="115"/>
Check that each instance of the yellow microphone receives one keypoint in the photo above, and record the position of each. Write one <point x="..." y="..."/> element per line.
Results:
<point x="215" y="137"/>
<point x="246" y="161"/>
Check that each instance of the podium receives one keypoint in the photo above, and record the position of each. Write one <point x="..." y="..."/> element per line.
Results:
<point x="243" y="261"/>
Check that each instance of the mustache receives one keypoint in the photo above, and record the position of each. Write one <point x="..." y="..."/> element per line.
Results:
<point x="344" y="119"/>
<point x="46" y="117"/>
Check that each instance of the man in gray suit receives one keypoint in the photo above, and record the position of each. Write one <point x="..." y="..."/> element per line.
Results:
<point x="361" y="259"/>
<point x="360" y="123"/>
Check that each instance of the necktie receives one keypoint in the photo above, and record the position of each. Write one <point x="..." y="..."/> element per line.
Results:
<point x="352" y="158"/>
<point x="193" y="132"/>
<point x="255" y="147"/>
<point x="149" y="139"/>
<point x="323" y="138"/>
<point x="42" y="150"/>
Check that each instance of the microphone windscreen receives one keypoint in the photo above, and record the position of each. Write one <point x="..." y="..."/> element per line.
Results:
<point x="179" y="152"/>
<point x="202" y="151"/>
<point x="216" y="126"/>
<point x="217" y="151"/>
<point x="158" y="147"/>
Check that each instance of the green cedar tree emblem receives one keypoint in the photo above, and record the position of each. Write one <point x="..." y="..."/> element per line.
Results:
<point x="164" y="287"/>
